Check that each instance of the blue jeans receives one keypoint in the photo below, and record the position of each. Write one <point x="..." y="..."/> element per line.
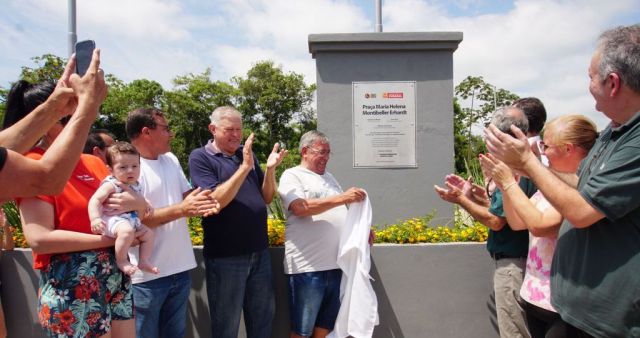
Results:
<point x="240" y="283"/>
<point x="314" y="300"/>
<point x="161" y="306"/>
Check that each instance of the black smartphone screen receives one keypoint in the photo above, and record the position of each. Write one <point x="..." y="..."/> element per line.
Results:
<point x="84" y="52"/>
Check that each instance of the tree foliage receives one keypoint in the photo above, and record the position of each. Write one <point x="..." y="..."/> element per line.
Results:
<point x="482" y="98"/>
<point x="188" y="107"/>
<point x="125" y="97"/>
<point x="48" y="67"/>
<point x="273" y="105"/>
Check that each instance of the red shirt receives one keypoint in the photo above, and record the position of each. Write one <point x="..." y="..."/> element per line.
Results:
<point x="70" y="207"/>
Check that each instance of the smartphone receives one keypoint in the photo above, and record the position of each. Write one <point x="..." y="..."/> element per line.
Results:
<point x="84" y="53"/>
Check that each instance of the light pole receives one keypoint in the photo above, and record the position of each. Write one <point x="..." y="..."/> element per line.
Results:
<point x="378" y="16"/>
<point x="72" y="38"/>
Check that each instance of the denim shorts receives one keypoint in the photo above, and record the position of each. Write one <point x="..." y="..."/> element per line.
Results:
<point x="81" y="293"/>
<point x="314" y="300"/>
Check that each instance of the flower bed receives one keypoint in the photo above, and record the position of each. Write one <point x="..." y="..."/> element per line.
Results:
<point x="408" y="231"/>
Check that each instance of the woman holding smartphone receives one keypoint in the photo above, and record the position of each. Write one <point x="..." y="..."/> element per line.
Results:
<point x="82" y="292"/>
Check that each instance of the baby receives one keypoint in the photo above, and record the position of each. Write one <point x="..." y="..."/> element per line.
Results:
<point x="123" y="161"/>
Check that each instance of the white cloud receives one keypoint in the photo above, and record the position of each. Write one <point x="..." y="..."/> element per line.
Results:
<point x="535" y="47"/>
<point x="284" y="24"/>
<point x="141" y="19"/>
<point x="539" y="48"/>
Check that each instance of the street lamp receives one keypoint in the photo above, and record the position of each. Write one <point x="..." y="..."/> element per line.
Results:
<point x="72" y="38"/>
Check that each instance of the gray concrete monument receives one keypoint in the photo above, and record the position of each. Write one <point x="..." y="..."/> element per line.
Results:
<point x="385" y="101"/>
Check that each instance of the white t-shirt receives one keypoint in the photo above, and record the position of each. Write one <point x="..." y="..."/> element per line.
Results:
<point x="163" y="184"/>
<point x="312" y="242"/>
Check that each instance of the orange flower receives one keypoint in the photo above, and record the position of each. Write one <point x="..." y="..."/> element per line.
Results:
<point x="44" y="315"/>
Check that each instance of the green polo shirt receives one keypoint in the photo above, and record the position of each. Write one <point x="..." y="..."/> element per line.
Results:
<point x="595" y="275"/>
<point x="506" y="241"/>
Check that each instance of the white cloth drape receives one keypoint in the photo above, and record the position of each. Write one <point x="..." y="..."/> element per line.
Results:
<point x="359" y="306"/>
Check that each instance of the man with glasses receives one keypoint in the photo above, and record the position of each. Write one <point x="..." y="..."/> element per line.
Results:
<point x="316" y="212"/>
<point x="508" y="248"/>
<point x="594" y="275"/>
<point x="161" y="299"/>
<point x="237" y="260"/>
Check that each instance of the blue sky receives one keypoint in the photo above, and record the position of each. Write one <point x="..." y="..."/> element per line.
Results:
<point x="532" y="47"/>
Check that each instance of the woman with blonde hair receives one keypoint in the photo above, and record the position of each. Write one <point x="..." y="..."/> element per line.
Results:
<point x="566" y="142"/>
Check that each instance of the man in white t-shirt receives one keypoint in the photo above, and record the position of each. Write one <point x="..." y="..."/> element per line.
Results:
<point x="161" y="299"/>
<point x="316" y="212"/>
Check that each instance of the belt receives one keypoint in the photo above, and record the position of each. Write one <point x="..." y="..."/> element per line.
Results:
<point x="500" y="255"/>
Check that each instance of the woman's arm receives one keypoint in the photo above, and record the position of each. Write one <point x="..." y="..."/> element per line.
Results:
<point x="513" y="218"/>
<point x="540" y="224"/>
<point x="22" y="177"/>
<point x="7" y="235"/>
<point x="38" y="218"/>
<point x="95" y="206"/>
<point x="21" y="136"/>
<point x="522" y="211"/>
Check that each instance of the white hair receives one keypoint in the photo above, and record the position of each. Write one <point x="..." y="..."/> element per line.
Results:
<point x="224" y="111"/>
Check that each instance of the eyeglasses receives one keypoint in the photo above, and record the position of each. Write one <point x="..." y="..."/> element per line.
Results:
<point x="165" y="126"/>
<point x="63" y="121"/>
<point x="543" y="146"/>
<point x="320" y="152"/>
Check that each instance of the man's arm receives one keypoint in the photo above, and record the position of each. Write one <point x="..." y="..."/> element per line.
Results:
<point x="308" y="207"/>
<point x="196" y="202"/>
<point x="567" y="200"/>
<point x="269" y="185"/>
<point x="571" y="179"/>
<point x="227" y="191"/>
<point x="479" y="212"/>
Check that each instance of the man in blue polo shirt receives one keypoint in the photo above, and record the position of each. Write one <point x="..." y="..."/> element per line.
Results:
<point x="237" y="261"/>
<point x="507" y="247"/>
<point x="595" y="284"/>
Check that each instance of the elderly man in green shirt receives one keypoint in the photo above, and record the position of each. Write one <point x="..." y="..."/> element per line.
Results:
<point x="595" y="276"/>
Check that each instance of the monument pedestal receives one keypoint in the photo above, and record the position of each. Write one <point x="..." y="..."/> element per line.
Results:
<point x="400" y="156"/>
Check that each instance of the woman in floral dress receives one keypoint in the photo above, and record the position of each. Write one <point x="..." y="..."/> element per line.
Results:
<point x="82" y="292"/>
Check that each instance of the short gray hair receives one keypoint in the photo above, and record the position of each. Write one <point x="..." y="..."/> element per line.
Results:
<point x="311" y="137"/>
<point x="224" y="111"/>
<point x="503" y="119"/>
<point x="620" y="53"/>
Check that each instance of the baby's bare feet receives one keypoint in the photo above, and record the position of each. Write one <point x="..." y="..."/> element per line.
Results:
<point x="146" y="266"/>
<point x="128" y="268"/>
